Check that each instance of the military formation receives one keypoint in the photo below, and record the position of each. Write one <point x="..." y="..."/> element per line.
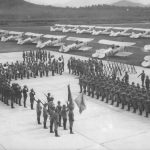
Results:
<point x="106" y="82"/>
<point x="111" y="88"/>
<point x="34" y="64"/>
<point x="13" y="94"/>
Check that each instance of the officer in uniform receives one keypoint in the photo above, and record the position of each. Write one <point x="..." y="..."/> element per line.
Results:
<point x="71" y="119"/>
<point x="25" y="91"/>
<point x="64" y="116"/>
<point x="59" y="107"/>
<point x="80" y="83"/>
<point x="142" y="77"/>
<point x="51" y="113"/>
<point x="56" y="121"/>
<point x="147" y="83"/>
<point x="32" y="98"/>
<point x="38" y="111"/>
<point x="45" y="115"/>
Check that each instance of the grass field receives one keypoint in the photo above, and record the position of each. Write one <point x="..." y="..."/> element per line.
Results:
<point x="135" y="59"/>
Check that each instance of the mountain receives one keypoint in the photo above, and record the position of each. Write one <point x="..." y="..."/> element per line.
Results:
<point x="126" y="3"/>
<point x="82" y="3"/>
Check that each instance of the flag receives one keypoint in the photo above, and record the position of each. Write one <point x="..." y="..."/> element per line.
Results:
<point x="70" y="101"/>
<point x="80" y="102"/>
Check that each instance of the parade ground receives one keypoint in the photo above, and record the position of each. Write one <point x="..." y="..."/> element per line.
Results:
<point x="100" y="127"/>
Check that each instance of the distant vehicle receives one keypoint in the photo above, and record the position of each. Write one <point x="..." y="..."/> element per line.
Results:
<point x="29" y="37"/>
<point x="11" y="36"/>
<point x="116" y="48"/>
<point x="50" y="40"/>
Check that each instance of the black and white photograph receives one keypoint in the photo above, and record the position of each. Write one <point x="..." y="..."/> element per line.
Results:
<point x="74" y="74"/>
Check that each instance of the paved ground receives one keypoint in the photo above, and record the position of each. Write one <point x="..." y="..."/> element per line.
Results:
<point x="100" y="127"/>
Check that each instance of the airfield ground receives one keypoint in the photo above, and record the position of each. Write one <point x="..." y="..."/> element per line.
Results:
<point x="100" y="127"/>
<point x="137" y="50"/>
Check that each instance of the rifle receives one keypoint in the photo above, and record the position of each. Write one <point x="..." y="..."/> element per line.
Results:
<point x="40" y="101"/>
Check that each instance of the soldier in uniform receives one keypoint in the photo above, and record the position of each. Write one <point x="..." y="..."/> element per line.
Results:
<point x="147" y="107"/>
<point x="32" y="98"/>
<point x="56" y="121"/>
<point x="59" y="107"/>
<point x="147" y="83"/>
<point x="25" y="91"/>
<point x="19" y="95"/>
<point x="45" y="115"/>
<point x="139" y="103"/>
<point x="71" y="120"/>
<point x="80" y="83"/>
<point x="126" y="78"/>
<point x="38" y="111"/>
<point x="64" y="116"/>
<point x="12" y="97"/>
<point x="134" y="103"/>
<point x="142" y="77"/>
<point x="51" y="113"/>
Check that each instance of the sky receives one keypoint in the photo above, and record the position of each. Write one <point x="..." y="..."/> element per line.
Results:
<point x="60" y="2"/>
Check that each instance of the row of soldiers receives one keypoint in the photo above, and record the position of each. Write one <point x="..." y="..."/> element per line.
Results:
<point x="95" y="82"/>
<point x="28" y="69"/>
<point x="118" y="91"/>
<point x="15" y="94"/>
<point x="79" y="66"/>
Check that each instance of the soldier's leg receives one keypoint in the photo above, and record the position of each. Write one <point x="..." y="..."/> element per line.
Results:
<point x="140" y="111"/>
<point x="103" y="97"/>
<point x="59" y="120"/>
<point x="56" y="130"/>
<point x="146" y="114"/>
<point x="128" y="106"/>
<point x="80" y="88"/>
<point x="71" y="127"/>
<point x="64" y="123"/>
<point x="107" y="97"/>
<point x="92" y="93"/>
<point x="134" y="110"/>
<point x="12" y="103"/>
<point x="122" y="105"/>
<point x="97" y="95"/>
<point x="51" y="126"/>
